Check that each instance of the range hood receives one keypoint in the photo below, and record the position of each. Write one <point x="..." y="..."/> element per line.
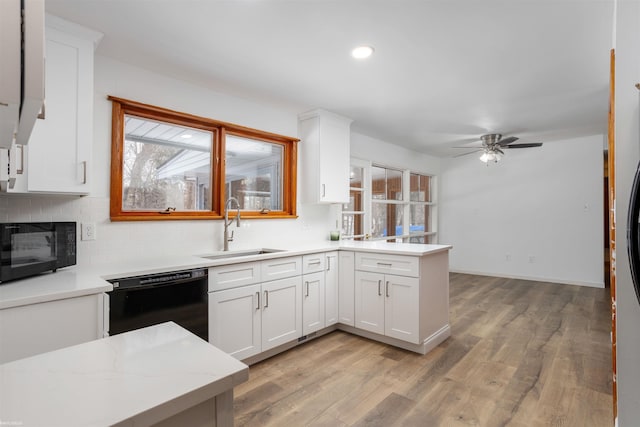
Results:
<point x="21" y="68"/>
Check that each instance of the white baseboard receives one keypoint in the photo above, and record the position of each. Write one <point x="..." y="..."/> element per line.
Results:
<point x="532" y="278"/>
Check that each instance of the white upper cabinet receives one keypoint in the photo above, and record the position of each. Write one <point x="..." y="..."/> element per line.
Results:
<point x="324" y="154"/>
<point x="21" y="68"/>
<point x="58" y="156"/>
<point x="10" y="34"/>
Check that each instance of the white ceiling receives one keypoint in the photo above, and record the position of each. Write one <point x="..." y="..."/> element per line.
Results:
<point x="443" y="72"/>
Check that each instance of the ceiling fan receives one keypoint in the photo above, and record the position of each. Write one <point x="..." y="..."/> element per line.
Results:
<point x="493" y="144"/>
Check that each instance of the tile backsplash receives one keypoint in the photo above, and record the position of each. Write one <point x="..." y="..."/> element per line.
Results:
<point x="116" y="241"/>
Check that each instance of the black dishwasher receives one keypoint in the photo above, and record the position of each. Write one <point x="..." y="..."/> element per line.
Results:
<point x="178" y="296"/>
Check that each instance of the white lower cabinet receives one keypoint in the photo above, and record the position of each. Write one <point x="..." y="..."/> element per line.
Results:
<point x="313" y="302"/>
<point x="281" y="312"/>
<point x="235" y="321"/>
<point x="331" y="278"/>
<point x="38" y="328"/>
<point x="346" y="288"/>
<point x="248" y="320"/>
<point x="388" y="305"/>
<point x="401" y="300"/>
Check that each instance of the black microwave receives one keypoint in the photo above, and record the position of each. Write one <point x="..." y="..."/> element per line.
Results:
<point x="30" y="248"/>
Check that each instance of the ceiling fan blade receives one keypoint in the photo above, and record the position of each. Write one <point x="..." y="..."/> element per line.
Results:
<point x="527" y="145"/>
<point x="507" y="141"/>
<point x="465" y="154"/>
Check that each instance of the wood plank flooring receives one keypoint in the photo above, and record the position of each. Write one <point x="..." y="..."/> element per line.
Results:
<point x="521" y="354"/>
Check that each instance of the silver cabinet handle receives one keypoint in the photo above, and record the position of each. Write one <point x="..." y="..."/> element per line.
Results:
<point x="328" y="264"/>
<point x="318" y="262"/>
<point x="323" y="190"/>
<point x="266" y="299"/>
<point x="307" y="284"/>
<point x="386" y="264"/>
<point x="379" y="284"/>
<point x="258" y="295"/>
<point x="387" y="289"/>
<point x="84" y="172"/>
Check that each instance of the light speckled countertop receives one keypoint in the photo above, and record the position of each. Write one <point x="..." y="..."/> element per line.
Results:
<point x="78" y="281"/>
<point x="134" y="377"/>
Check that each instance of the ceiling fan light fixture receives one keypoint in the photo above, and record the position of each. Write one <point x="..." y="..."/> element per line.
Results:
<point x="490" y="156"/>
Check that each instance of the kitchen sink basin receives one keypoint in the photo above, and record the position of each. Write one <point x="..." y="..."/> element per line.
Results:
<point x="241" y="253"/>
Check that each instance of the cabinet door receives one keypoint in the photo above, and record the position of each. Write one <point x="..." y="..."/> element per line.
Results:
<point x="324" y="156"/>
<point x="334" y="159"/>
<point x="234" y="321"/>
<point x="313" y="294"/>
<point x="369" y="301"/>
<point x="281" y="311"/>
<point x="346" y="288"/>
<point x="60" y="145"/>
<point x="331" y="278"/>
<point x="38" y="328"/>
<point x="402" y="302"/>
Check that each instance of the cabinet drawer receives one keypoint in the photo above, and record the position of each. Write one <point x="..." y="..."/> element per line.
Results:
<point x="382" y="263"/>
<point x="234" y="275"/>
<point x="313" y="263"/>
<point x="281" y="268"/>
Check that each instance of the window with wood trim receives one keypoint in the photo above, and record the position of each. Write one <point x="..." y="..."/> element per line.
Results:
<point x="168" y="165"/>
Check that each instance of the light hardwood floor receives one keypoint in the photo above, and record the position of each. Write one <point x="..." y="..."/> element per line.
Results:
<point x="521" y="354"/>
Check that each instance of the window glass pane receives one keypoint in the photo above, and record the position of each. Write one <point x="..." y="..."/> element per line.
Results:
<point x="378" y="182"/>
<point x="165" y="166"/>
<point x="355" y="177"/>
<point x="352" y="224"/>
<point x="386" y="220"/>
<point x="386" y="184"/>
<point x="420" y="188"/>
<point x="419" y="218"/>
<point x="254" y="173"/>
<point x="355" y="202"/>
<point x="394" y="184"/>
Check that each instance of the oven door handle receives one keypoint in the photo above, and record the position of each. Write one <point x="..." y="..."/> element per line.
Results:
<point x="156" y="285"/>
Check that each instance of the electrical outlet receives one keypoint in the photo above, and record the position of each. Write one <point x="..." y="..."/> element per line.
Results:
<point x="507" y="257"/>
<point x="88" y="231"/>
<point x="532" y="259"/>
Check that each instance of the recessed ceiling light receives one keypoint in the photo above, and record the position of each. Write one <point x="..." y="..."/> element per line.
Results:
<point x="186" y="135"/>
<point x="362" y="52"/>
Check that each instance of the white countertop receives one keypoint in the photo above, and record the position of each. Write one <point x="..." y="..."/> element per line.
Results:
<point x="126" y="377"/>
<point x="65" y="283"/>
<point x="77" y="281"/>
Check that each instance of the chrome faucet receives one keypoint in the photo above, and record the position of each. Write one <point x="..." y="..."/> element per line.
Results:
<point x="228" y="221"/>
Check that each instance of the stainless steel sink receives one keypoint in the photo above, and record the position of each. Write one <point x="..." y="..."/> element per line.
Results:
<point x="241" y="253"/>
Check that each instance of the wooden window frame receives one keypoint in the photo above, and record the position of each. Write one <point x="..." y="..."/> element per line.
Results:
<point x="122" y="107"/>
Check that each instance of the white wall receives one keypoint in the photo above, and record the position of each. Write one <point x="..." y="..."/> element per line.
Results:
<point x="537" y="214"/>
<point x="627" y="156"/>
<point x="390" y="155"/>
<point x="148" y="239"/>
